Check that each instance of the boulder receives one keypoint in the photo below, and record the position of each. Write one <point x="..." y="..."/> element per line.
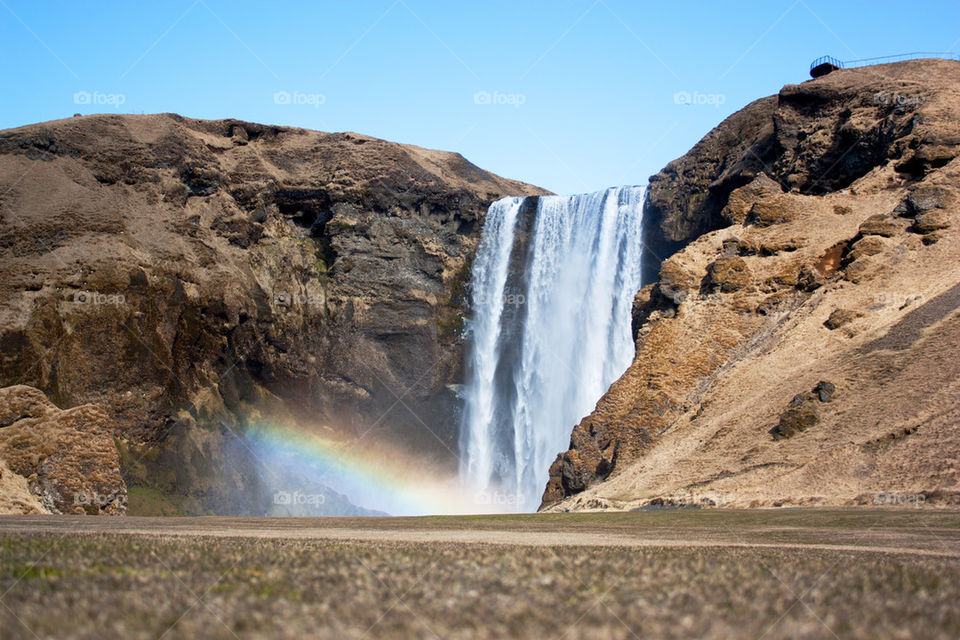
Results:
<point x="728" y="274"/>
<point x="67" y="458"/>
<point x="839" y="318"/>
<point x="879" y="225"/>
<point x="796" y="419"/>
<point x="825" y="390"/>
<point x="931" y="221"/>
<point x="802" y="412"/>
<point x="866" y="246"/>
<point x="743" y="199"/>
<point x="921" y="199"/>
<point x="770" y="211"/>
<point x="676" y="283"/>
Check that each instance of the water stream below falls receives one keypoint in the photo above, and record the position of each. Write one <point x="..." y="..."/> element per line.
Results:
<point x="552" y="290"/>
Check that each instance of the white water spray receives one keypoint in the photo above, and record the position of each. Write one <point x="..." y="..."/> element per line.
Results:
<point x="550" y="332"/>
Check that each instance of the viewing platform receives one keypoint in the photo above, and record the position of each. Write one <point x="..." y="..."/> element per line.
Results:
<point x="827" y="64"/>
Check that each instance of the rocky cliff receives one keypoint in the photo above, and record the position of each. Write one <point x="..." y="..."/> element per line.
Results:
<point x="801" y="340"/>
<point x="185" y="275"/>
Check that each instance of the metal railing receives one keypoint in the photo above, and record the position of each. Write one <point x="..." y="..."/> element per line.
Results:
<point x="863" y="62"/>
<point x="826" y="60"/>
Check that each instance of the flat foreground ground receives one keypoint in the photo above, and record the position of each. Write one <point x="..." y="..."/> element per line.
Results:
<point x="671" y="574"/>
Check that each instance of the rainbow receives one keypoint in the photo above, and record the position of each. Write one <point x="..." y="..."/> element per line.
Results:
<point x="379" y="480"/>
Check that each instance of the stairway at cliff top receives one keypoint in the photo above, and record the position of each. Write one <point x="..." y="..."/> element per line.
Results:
<point x="552" y="291"/>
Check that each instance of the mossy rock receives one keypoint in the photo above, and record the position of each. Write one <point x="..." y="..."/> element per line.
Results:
<point x="802" y="412"/>
<point x="796" y="420"/>
<point x="866" y="246"/>
<point x="728" y="274"/>
<point x="765" y="213"/>
<point x="839" y="318"/>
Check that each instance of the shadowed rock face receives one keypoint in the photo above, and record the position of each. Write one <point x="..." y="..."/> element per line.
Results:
<point x="185" y="275"/>
<point x="811" y="236"/>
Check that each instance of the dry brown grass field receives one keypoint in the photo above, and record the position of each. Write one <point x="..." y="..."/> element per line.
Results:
<point x="672" y="574"/>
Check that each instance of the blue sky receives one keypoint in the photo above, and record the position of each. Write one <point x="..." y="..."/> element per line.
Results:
<point x="571" y="95"/>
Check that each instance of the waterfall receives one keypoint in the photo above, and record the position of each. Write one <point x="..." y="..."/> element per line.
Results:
<point x="552" y="290"/>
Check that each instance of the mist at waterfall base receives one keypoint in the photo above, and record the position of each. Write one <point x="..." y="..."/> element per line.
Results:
<point x="294" y="469"/>
<point x="552" y="294"/>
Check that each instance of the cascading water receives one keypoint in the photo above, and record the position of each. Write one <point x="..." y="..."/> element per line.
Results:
<point x="552" y="292"/>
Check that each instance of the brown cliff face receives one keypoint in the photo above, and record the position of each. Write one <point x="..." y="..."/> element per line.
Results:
<point x="183" y="274"/>
<point x="818" y="244"/>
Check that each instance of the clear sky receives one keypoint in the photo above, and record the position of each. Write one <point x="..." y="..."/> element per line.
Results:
<point x="571" y="95"/>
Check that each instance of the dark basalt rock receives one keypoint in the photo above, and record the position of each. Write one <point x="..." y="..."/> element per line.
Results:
<point x="802" y="412"/>
<point x="798" y="418"/>
<point x="825" y="390"/>
<point x="930" y="221"/>
<point x="839" y="318"/>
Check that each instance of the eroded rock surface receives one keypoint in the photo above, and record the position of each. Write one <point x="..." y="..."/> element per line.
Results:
<point x="57" y="461"/>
